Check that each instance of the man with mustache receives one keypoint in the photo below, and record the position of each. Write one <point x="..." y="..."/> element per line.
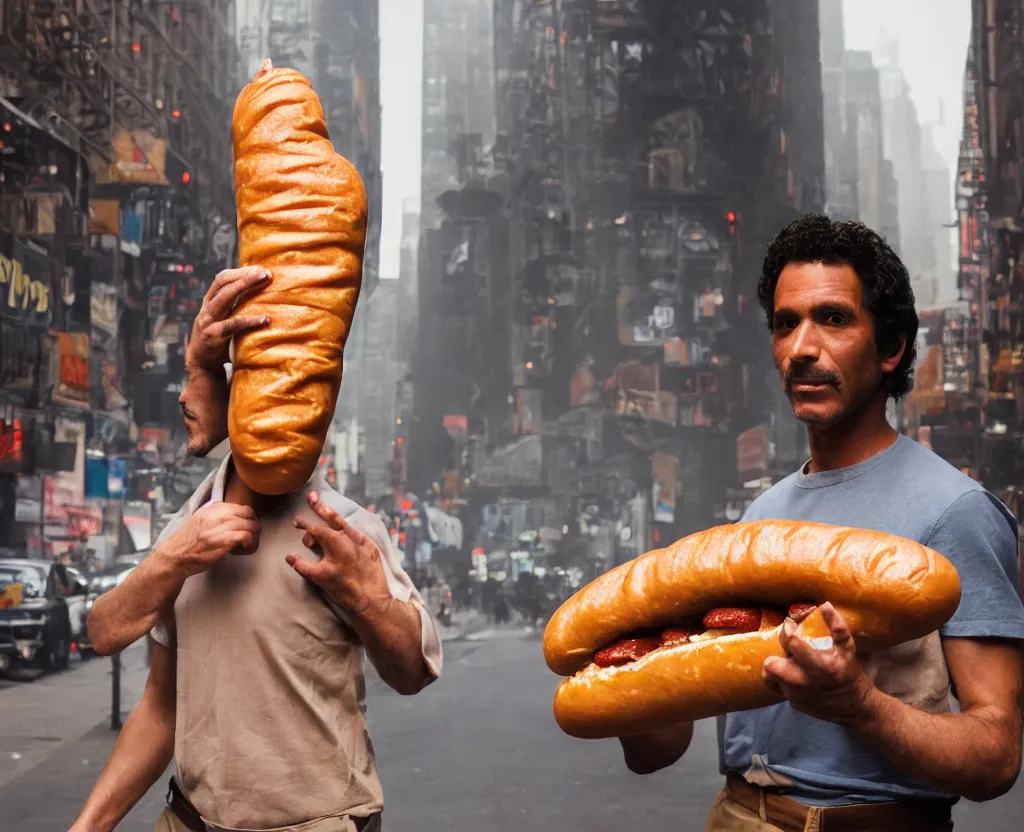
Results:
<point x="869" y="742"/>
<point x="260" y="609"/>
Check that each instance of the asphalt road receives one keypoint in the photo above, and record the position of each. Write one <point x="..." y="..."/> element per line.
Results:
<point x="479" y="750"/>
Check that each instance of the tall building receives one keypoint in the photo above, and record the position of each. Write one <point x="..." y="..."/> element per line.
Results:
<point x="334" y="43"/>
<point x="990" y="203"/>
<point x="605" y="379"/>
<point x="116" y="211"/>
<point x="840" y="127"/>
<point x="462" y="280"/>
<point x="861" y="182"/>
<point x="368" y="389"/>
<point x="458" y="96"/>
<point x="938" y="185"/>
<point x="920" y="220"/>
<point x="863" y="105"/>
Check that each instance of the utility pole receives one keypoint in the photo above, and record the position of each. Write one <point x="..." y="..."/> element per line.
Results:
<point x="115" y="692"/>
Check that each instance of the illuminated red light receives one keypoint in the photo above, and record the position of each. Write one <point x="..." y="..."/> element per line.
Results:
<point x="176" y="114"/>
<point x="186" y="177"/>
<point x="136" y="47"/>
<point x="406" y="505"/>
<point x="731" y="216"/>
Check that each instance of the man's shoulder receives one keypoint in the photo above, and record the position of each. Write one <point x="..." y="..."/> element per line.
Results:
<point x="349" y="509"/>
<point x="769" y="502"/>
<point x="931" y="476"/>
<point x="176" y="520"/>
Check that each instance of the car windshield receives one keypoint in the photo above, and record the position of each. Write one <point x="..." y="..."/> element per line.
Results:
<point x="31" y="578"/>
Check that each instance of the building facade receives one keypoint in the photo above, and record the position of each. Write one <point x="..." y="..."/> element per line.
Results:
<point x="116" y="210"/>
<point x="607" y="388"/>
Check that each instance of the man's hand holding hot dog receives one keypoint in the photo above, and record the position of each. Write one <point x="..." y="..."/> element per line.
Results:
<point x="829" y="683"/>
<point x="351" y="575"/>
<point x="821" y="680"/>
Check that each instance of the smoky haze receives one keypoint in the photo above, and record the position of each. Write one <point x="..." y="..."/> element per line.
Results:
<point x="558" y="363"/>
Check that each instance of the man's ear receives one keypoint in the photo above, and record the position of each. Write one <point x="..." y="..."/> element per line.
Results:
<point x="891" y="363"/>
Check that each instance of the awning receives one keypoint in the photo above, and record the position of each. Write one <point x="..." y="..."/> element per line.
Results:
<point x="445" y="530"/>
<point x="499" y="556"/>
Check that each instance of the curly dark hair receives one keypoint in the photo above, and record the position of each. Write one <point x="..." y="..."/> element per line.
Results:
<point x="885" y="282"/>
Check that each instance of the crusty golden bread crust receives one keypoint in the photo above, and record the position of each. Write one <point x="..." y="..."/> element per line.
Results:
<point x="301" y="214"/>
<point x="889" y="589"/>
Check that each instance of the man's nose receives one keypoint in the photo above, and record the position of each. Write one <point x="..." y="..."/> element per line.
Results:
<point x="804" y="343"/>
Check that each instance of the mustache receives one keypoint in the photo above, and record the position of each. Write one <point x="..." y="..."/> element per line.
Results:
<point x="810" y="375"/>
<point x="188" y="413"/>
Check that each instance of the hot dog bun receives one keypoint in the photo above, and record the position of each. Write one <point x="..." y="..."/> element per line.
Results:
<point x="302" y="215"/>
<point x="889" y="590"/>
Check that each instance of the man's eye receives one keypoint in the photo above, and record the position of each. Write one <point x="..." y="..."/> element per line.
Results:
<point x="837" y="319"/>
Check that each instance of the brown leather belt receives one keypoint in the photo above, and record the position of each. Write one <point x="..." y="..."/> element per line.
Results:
<point x="185" y="812"/>
<point x="792" y="816"/>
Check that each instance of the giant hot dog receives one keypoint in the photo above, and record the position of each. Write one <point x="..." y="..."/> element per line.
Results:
<point x="682" y="633"/>
<point x="302" y="215"/>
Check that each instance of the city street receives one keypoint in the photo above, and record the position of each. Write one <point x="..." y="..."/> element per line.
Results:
<point x="478" y="751"/>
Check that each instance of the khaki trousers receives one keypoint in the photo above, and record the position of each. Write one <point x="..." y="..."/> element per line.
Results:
<point x="168" y="822"/>
<point x="727" y="815"/>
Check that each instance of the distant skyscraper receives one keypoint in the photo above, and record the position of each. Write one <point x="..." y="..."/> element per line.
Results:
<point x="335" y="44"/>
<point x="920" y="219"/>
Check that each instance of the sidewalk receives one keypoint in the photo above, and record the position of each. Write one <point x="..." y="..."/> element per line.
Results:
<point x="38" y="718"/>
<point x="55" y="737"/>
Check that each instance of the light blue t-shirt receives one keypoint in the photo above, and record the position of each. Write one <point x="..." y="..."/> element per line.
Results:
<point x="908" y="491"/>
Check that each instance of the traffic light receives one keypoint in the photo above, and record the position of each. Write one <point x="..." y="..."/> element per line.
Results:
<point x="730" y="218"/>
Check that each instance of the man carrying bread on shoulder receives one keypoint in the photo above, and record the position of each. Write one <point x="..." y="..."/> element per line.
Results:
<point x="266" y="588"/>
<point x="868" y="741"/>
<point x="256" y="680"/>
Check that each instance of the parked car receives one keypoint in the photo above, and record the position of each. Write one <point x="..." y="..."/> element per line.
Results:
<point x="39" y="629"/>
<point x="76" y="601"/>
<point x="100" y="582"/>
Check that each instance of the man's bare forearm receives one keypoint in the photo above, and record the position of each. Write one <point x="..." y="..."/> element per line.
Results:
<point x="975" y="754"/>
<point x="648" y="753"/>
<point x="127" y="612"/>
<point x="392" y="636"/>
<point x="141" y="754"/>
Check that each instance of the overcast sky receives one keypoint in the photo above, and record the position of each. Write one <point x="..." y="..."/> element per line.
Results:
<point x="401" y="88"/>
<point x="932" y="57"/>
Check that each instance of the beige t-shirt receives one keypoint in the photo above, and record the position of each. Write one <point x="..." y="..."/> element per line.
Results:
<point x="270" y="727"/>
